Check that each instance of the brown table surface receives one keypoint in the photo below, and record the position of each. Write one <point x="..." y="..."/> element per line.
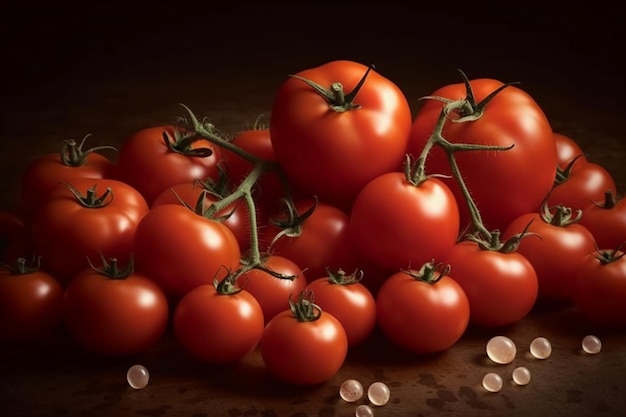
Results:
<point x="110" y="70"/>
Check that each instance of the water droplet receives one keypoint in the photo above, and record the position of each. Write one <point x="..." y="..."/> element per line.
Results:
<point x="138" y="376"/>
<point x="492" y="382"/>
<point x="351" y="390"/>
<point x="501" y="349"/>
<point x="541" y="348"/>
<point x="521" y="375"/>
<point x="378" y="393"/>
<point x="364" y="410"/>
<point x="591" y="344"/>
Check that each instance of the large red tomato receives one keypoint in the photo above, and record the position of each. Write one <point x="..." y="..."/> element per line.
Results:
<point x="180" y="249"/>
<point x="504" y="184"/>
<point x="501" y="286"/>
<point x="397" y="224"/>
<point x="349" y="301"/>
<point x="423" y="310"/>
<point x="31" y="303"/>
<point x="155" y="158"/>
<point x="218" y="324"/>
<point x="337" y="126"/>
<point x="304" y="345"/>
<point x="85" y="218"/>
<point x="557" y="251"/>
<point x="44" y="173"/>
<point x="114" y="310"/>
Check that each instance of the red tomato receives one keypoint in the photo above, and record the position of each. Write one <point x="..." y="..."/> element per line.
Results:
<point x="423" y="311"/>
<point x="354" y="138"/>
<point x="258" y="143"/>
<point x="503" y="184"/>
<point x="44" y="173"/>
<point x="115" y="312"/>
<point x="606" y="221"/>
<point x="396" y="224"/>
<point x="273" y="292"/>
<point x="218" y="324"/>
<point x="583" y="183"/>
<point x="100" y="218"/>
<point x="348" y="301"/>
<point x="557" y="252"/>
<point x="304" y="345"/>
<point x="600" y="289"/>
<point x="501" y="287"/>
<point x="315" y="235"/>
<point x="152" y="163"/>
<point x="567" y="149"/>
<point x="31" y="303"/>
<point x="237" y="219"/>
<point x="180" y="249"/>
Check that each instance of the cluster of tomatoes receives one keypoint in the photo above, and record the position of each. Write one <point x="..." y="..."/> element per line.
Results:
<point x="298" y="238"/>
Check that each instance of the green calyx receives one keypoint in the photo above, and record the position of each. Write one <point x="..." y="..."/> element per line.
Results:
<point x="21" y="267"/>
<point x="430" y="273"/>
<point x="73" y="155"/>
<point x="90" y="199"/>
<point x="182" y="143"/>
<point x="340" y="277"/>
<point x="111" y="269"/>
<point x="561" y="217"/>
<point x="304" y="309"/>
<point x="494" y="243"/>
<point x="337" y="99"/>
<point x="609" y="256"/>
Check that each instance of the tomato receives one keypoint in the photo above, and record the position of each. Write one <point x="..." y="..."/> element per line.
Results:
<point x="580" y="184"/>
<point x="180" y="249"/>
<point x="349" y="301"/>
<point x="273" y="284"/>
<point x="115" y="311"/>
<point x="423" y="311"/>
<point x="84" y="218"/>
<point x="397" y="224"/>
<point x="556" y="252"/>
<point x="606" y="220"/>
<point x="156" y="158"/>
<point x="44" y="173"/>
<point x="501" y="287"/>
<point x="504" y="184"/>
<point x="257" y="142"/>
<point x="600" y="288"/>
<point x="235" y="216"/>
<point x="31" y="302"/>
<point x="567" y="150"/>
<point x="333" y="137"/>
<point x="304" y="345"/>
<point x="313" y="234"/>
<point x="218" y="324"/>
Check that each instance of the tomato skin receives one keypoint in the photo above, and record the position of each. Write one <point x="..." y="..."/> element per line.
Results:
<point x="273" y="293"/>
<point x="304" y="353"/>
<point x="180" y="249"/>
<point x="422" y="317"/>
<point x="567" y="149"/>
<point x="238" y="220"/>
<point x="504" y="184"/>
<point x="31" y="306"/>
<point x="600" y="291"/>
<point x="587" y="182"/>
<point x="147" y="163"/>
<point x="353" y="146"/>
<point x="607" y="222"/>
<point x="218" y="328"/>
<point x="324" y="240"/>
<point x="501" y="288"/>
<point x="115" y="317"/>
<point x="352" y="304"/>
<point x="44" y="173"/>
<point x="65" y="232"/>
<point x="556" y="254"/>
<point x="416" y="223"/>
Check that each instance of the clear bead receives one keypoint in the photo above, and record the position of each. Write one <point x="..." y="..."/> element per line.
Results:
<point x="591" y="344"/>
<point x="378" y="393"/>
<point x="501" y="349"/>
<point x="521" y="375"/>
<point x="364" y="410"/>
<point x="137" y="376"/>
<point x="492" y="382"/>
<point x="541" y="348"/>
<point x="351" y="390"/>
